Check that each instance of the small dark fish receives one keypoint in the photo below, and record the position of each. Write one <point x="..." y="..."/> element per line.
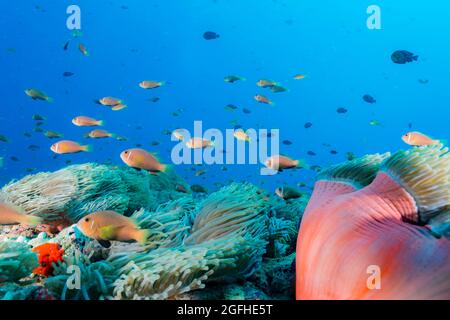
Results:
<point x="29" y="170"/>
<point x="39" y="124"/>
<point x="311" y="153"/>
<point x="27" y="134"/>
<point x="38" y="129"/>
<point x="230" y="107"/>
<point x="350" y="156"/>
<point x="3" y="138"/>
<point x="68" y="74"/>
<point x="38" y="117"/>
<point x="277" y="89"/>
<point x="198" y="188"/>
<point x="154" y="143"/>
<point x="423" y="81"/>
<point x="138" y="127"/>
<point x="410" y="125"/>
<point x="238" y="126"/>
<point x="403" y="57"/>
<point x="154" y="99"/>
<point x="138" y="145"/>
<point x="14" y="158"/>
<point x="333" y="152"/>
<point x="308" y="125"/>
<point x="341" y="110"/>
<point x="68" y="161"/>
<point x="287" y="193"/>
<point x="287" y="142"/>
<point x="246" y="111"/>
<point x="369" y="99"/>
<point x="66" y="46"/>
<point x="210" y="35"/>
<point x="232" y="79"/>
<point x="316" y="168"/>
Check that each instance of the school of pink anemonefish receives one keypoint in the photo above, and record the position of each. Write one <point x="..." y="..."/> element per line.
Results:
<point x="141" y="159"/>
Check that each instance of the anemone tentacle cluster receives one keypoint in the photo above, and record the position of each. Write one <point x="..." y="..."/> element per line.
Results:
<point x="219" y="240"/>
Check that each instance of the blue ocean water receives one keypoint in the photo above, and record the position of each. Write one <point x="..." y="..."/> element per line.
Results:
<point x="130" y="41"/>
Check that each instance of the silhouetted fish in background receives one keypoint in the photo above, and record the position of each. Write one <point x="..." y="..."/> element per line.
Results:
<point x="210" y="35"/>
<point x="403" y="56"/>
<point x="369" y="99"/>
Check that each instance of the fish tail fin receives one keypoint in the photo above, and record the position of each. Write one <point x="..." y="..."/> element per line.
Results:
<point x="86" y="135"/>
<point x="444" y="142"/>
<point x="301" y="163"/>
<point x="164" y="168"/>
<point x="415" y="58"/>
<point x="88" y="148"/>
<point x="33" y="220"/>
<point x="242" y="78"/>
<point x="113" y="135"/>
<point x="49" y="99"/>
<point x="142" y="236"/>
<point x="101" y="123"/>
<point x="162" y="83"/>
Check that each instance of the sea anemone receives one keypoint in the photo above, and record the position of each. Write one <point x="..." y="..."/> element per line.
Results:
<point x="167" y="273"/>
<point x="16" y="261"/>
<point x="226" y="242"/>
<point x="75" y="191"/>
<point x="169" y="224"/>
<point x="236" y="209"/>
<point x="371" y="243"/>
<point x="77" y="278"/>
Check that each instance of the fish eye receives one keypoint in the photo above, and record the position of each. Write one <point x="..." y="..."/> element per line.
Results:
<point x="86" y="219"/>
<point x="126" y="152"/>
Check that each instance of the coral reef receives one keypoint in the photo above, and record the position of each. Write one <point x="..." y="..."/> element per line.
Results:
<point x="48" y="254"/>
<point x="220" y="244"/>
<point x="378" y="223"/>
<point x="13" y="291"/>
<point x="16" y="261"/>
